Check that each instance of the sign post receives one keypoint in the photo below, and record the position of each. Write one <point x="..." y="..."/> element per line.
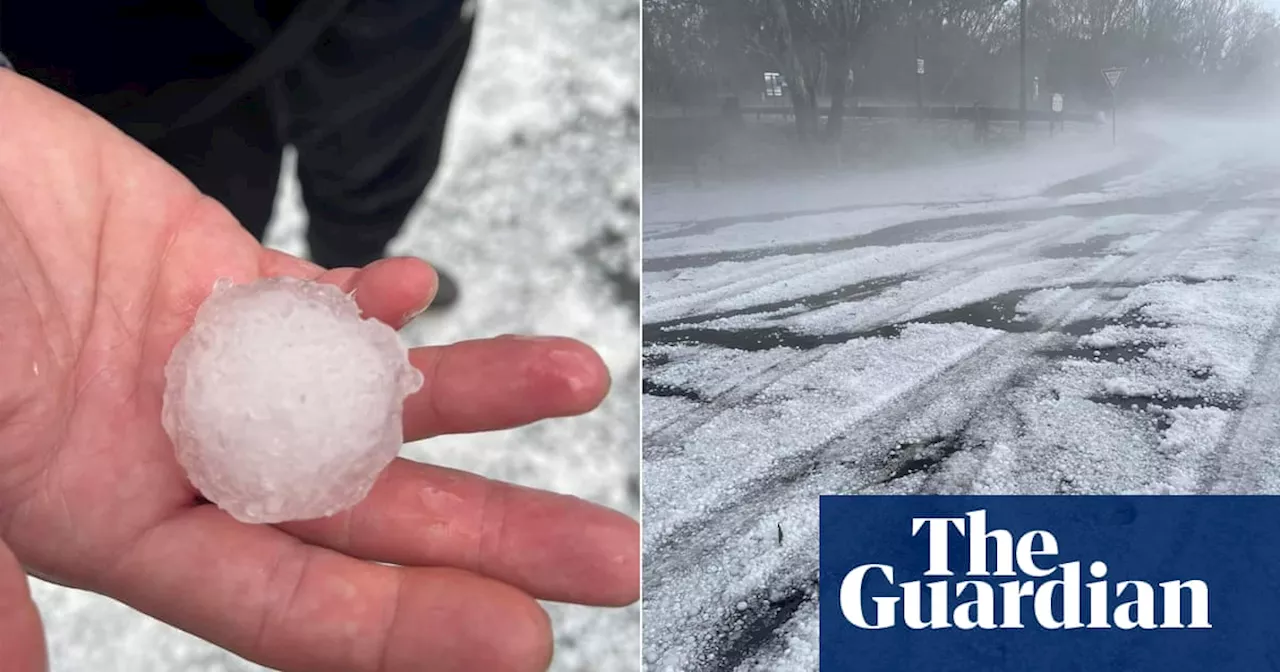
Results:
<point x="1057" y="112"/>
<point x="1113" y="79"/>
<point x="919" y="88"/>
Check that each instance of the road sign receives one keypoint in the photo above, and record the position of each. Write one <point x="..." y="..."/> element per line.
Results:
<point x="1113" y="76"/>
<point x="919" y="66"/>
<point x="1057" y="102"/>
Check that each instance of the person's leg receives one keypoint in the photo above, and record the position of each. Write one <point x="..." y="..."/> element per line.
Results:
<point x="233" y="157"/>
<point x="366" y="111"/>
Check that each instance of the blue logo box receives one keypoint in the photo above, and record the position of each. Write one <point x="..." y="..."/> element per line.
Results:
<point x="1056" y="583"/>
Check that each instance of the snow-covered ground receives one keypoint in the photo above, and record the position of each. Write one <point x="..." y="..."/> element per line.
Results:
<point x="536" y="213"/>
<point x="1073" y="319"/>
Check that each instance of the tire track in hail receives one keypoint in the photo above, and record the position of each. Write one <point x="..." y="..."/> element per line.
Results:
<point x="1024" y="379"/>
<point x="1245" y="460"/>
<point x="679" y="428"/>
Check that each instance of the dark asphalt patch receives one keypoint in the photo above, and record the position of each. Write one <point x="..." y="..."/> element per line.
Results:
<point x="1157" y="406"/>
<point x="1130" y="318"/>
<point x="1093" y="247"/>
<point x="998" y="312"/>
<point x="749" y="340"/>
<point x="857" y="291"/>
<point x="653" y="360"/>
<point x="1166" y="402"/>
<point x="745" y="634"/>
<point x="1188" y="280"/>
<point x="918" y="456"/>
<point x="653" y="389"/>
<point x="1119" y="354"/>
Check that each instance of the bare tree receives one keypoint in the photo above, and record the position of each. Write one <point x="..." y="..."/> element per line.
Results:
<point x="1168" y="45"/>
<point x="840" y="29"/>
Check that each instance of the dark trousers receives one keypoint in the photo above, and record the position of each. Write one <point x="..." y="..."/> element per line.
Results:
<point x="364" y="103"/>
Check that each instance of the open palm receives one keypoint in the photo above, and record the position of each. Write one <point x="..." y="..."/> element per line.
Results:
<point x="105" y="254"/>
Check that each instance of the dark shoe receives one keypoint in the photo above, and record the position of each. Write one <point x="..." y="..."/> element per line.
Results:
<point x="446" y="291"/>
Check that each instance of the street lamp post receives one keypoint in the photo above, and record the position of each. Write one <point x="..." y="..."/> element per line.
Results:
<point x="1022" y="66"/>
<point x="919" y="74"/>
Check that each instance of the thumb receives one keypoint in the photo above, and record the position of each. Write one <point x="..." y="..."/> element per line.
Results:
<point x="21" y="637"/>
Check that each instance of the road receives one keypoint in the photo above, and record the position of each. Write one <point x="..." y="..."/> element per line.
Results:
<point x="1073" y="318"/>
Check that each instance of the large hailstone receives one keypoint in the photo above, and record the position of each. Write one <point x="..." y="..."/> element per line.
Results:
<point x="282" y="403"/>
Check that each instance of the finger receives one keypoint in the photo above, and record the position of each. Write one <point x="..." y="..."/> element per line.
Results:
<point x="21" y="635"/>
<point x="262" y="594"/>
<point x="553" y="547"/>
<point x="498" y="383"/>
<point x="392" y="290"/>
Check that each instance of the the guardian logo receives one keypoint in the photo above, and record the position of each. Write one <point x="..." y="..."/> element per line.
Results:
<point x="1038" y="588"/>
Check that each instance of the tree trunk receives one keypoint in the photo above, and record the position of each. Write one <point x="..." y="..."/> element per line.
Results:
<point x="838" y="80"/>
<point x="806" y="113"/>
<point x="793" y="69"/>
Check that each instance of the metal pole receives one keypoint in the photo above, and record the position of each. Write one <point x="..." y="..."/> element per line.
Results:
<point x="919" y="77"/>
<point x="1022" y="68"/>
<point x="1113" y="116"/>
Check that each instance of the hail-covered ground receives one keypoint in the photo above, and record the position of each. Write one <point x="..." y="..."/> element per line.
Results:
<point x="1072" y="318"/>
<point x="536" y="213"/>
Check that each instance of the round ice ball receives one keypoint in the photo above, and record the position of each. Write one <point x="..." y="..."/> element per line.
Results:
<point x="282" y="402"/>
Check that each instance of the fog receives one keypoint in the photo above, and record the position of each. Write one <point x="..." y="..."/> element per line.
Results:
<point x="785" y="65"/>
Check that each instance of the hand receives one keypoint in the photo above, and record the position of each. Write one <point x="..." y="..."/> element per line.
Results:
<point x="105" y="254"/>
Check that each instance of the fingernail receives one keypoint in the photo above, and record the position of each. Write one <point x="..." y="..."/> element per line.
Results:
<point x="413" y="314"/>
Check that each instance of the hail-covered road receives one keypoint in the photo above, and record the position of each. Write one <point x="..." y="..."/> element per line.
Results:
<point x="1072" y="318"/>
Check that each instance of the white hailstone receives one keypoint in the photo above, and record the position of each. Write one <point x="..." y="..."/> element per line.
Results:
<point x="282" y="402"/>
